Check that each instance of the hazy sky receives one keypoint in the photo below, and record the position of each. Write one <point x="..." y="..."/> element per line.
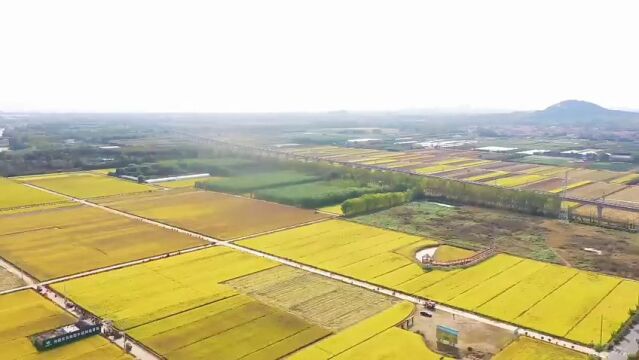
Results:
<point x="271" y="55"/>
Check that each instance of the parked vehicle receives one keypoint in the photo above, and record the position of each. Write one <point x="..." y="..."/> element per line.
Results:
<point x="425" y="314"/>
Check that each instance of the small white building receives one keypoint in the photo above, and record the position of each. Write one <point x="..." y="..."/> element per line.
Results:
<point x="363" y="141"/>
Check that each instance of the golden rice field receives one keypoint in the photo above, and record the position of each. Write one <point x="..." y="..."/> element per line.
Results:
<point x="450" y="253"/>
<point x="181" y="309"/>
<point x="516" y="180"/>
<point x="549" y="298"/>
<point x="528" y="349"/>
<point x="333" y="209"/>
<point x="8" y="280"/>
<point x="57" y="242"/>
<point x="86" y="185"/>
<point x="626" y="179"/>
<point x="215" y="214"/>
<point x="37" y="208"/>
<point x="352" y="249"/>
<point x="587" y="183"/>
<point x="570" y="186"/>
<point x="373" y="338"/>
<point x="330" y="304"/>
<point x="25" y="313"/>
<point x="16" y="195"/>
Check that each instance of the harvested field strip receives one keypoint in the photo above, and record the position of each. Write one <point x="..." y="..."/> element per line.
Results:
<point x="57" y="242"/>
<point x="89" y="185"/>
<point x="553" y="171"/>
<point x="16" y="195"/>
<point x="452" y="286"/>
<point x="564" y="308"/>
<point x="595" y="190"/>
<point x="516" y="300"/>
<point x="571" y="186"/>
<point x="9" y="280"/>
<point x="528" y="349"/>
<point x="612" y="311"/>
<point x="36" y="208"/>
<point x="25" y="313"/>
<point x="517" y="180"/>
<point x="330" y="304"/>
<point x="626" y="179"/>
<point x="488" y="176"/>
<point x="357" y="333"/>
<point x="215" y="214"/>
<point x="628" y="195"/>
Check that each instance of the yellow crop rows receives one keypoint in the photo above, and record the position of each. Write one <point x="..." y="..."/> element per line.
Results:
<point x="517" y="180"/>
<point x="26" y="313"/>
<point x="87" y="185"/>
<point x="349" y="248"/>
<point x="628" y="178"/>
<point x="219" y="215"/>
<point x="528" y="349"/>
<point x="57" y="242"/>
<point x="608" y="315"/>
<point x="356" y="334"/>
<point x="564" y="308"/>
<point x="180" y="307"/>
<point x="545" y="297"/>
<point x="15" y="195"/>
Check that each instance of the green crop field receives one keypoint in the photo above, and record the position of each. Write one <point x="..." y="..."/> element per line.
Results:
<point x="315" y="194"/>
<point x="255" y="181"/>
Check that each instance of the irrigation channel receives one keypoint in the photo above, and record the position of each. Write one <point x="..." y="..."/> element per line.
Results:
<point x="142" y="352"/>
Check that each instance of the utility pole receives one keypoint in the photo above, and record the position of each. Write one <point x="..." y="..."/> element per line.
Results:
<point x="601" y="331"/>
<point x="564" y="214"/>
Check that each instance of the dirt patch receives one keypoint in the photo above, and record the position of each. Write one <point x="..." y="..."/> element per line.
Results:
<point x="519" y="234"/>
<point x="482" y="338"/>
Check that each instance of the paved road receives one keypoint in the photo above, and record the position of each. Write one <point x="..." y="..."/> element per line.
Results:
<point x="345" y="279"/>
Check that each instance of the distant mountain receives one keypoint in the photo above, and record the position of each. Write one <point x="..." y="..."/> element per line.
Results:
<point x="577" y="111"/>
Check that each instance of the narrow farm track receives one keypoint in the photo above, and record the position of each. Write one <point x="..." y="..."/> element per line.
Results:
<point x="363" y="284"/>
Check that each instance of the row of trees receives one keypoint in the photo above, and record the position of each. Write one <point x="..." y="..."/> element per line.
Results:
<point x="374" y="202"/>
<point x="525" y="201"/>
<point x="530" y="202"/>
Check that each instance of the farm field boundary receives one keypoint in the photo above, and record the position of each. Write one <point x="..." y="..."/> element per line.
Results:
<point x="364" y="284"/>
